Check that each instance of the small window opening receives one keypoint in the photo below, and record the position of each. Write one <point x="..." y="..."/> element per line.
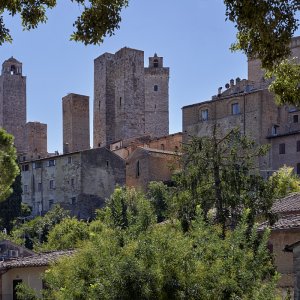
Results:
<point x="298" y="169"/>
<point x="162" y="147"/>
<point x="235" y="108"/>
<point x="12" y="70"/>
<point x="204" y="115"/>
<point x="282" y="148"/>
<point x="69" y="159"/>
<point x="155" y="63"/>
<point x="137" y="169"/>
<point x="107" y="163"/>
<point x="295" y="118"/>
<point x="51" y="202"/>
<point x="73" y="200"/>
<point x="120" y="101"/>
<point x="155" y="88"/>
<point x="99" y="145"/>
<point x="72" y="182"/>
<point x="298" y="146"/>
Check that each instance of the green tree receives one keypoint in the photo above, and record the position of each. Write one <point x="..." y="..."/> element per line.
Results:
<point x="221" y="174"/>
<point x="284" y="182"/>
<point x="66" y="235"/>
<point x="163" y="262"/>
<point x="34" y="233"/>
<point x="11" y="207"/>
<point x="8" y="167"/>
<point x="98" y="19"/>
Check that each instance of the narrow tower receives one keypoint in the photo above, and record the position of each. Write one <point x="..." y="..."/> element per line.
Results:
<point x="13" y="101"/>
<point x="156" y="98"/>
<point x="76" y="124"/>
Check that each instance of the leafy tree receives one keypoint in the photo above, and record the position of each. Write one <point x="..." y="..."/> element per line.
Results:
<point x="99" y="18"/>
<point x="66" y="235"/>
<point x="163" y="262"/>
<point x="159" y="195"/>
<point x="221" y="174"/>
<point x="11" y="208"/>
<point x="284" y="182"/>
<point x="8" y="167"/>
<point x="35" y="232"/>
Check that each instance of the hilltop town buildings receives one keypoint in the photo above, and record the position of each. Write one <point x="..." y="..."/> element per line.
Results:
<point x="248" y="105"/>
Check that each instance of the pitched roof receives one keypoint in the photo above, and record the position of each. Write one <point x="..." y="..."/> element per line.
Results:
<point x="288" y="204"/>
<point x="37" y="260"/>
<point x="283" y="223"/>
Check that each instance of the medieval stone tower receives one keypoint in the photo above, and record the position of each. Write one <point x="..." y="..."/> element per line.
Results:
<point x="129" y="100"/>
<point x="13" y="101"/>
<point x="76" y="124"/>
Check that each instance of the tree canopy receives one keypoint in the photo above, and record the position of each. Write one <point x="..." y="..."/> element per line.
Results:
<point x="8" y="166"/>
<point x="99" y="18"/>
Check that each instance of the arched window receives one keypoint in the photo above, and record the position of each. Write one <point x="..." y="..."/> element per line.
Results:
<point x="12" y="70"/>
<point x="155" y="63"/>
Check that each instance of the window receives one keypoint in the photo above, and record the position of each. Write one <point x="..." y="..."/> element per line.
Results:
<point x="155" y="88"/>
<point x="298" y="169"/>
<point x="37" y="164"/>
<point x="275" y="129"/>
<point x="137" y="173"/>
<point x="120" y="101"/>
<point x="295" y="118"/>
<point x="72" y="182"/>
<point x="51" y="202"/>
<point x="39" y="187"/>
<point x="25" y="188"/>
<point x="51" y="162"/>
<point x="52" y="184"/>
<point x="25" y="168"/>
<point x="69" y="159"/>
<point x="155" y="63"/>
<point x="15" y="284"/>
<point x="282" y="148"/>
<point x="162" y="146"/>
<point x="73" y="200"/>
<point x="24" y="158"/>
<point x="298" y="146"/>
<point x="107" y="164"/>
<point x="204" y="115"/>
<point x="235" y="108"/>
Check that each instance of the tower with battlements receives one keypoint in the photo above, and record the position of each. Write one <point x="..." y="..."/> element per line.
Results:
<point x="129" y="99"/>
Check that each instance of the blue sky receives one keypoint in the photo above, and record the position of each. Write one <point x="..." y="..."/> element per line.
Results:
<point x="192" y="36"/>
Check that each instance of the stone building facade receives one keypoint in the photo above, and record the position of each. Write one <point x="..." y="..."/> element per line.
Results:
<point x="76" y="123"/>
<point x="249" y="106"/>
<point x="78" y="181"/>
<point x="129" y="100"/>
<point x="13" y="101"/>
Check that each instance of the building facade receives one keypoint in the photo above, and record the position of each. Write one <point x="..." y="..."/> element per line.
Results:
<point x="79" y="181"/>
<point x="129" y="100"/>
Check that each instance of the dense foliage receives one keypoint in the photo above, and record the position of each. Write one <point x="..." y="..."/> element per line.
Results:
<point x="8" y="167"/>
<point x="98" y="19"/>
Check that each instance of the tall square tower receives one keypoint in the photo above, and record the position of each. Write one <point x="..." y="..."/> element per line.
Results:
<point x="76" y="123"/>
<point x="13" y="101"/>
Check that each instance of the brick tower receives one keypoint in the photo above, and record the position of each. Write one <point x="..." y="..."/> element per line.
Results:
<point x="76" y="124"/>
<point x="13" y="101"/>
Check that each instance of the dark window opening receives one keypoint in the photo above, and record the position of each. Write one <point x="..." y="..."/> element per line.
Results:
<point x="51" y="163"/>
<point x="99" y="145"/>
<point x="295" y="118"/>
<point x="155" y="63"/>
<point x="24" y="158"/>
<point x="120" y="101"/>
<point x="15" y="284"/>
<point x="51" y="202"/>
<point x="298" y="146"/>
<point x="162" y="147"/>
<point x="282" y="148"/>
<point x="25" y="168"/>
<point x="107" y="163"/>
<point x="155" y="88"/>
<point x="235" y="108"/>
<point x="176" y="148"/>
<point x="72" y="182"/>
<point x="298" y="169"/>
<point x="69" y="159"/>
<point x="73" y="200"/>
<point x="137" y="169"/>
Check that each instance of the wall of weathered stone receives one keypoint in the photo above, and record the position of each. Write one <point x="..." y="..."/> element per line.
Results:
<point x="35" y="140"/>
<point x="156" y="98"/>
<point x="76" y="123"/>
<point x="13" y="101"/>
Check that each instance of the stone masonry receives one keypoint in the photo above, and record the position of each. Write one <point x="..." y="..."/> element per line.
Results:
<point x="76" y="124"/>
<point x="13" y="101"/>
<point x="129" y="100"/>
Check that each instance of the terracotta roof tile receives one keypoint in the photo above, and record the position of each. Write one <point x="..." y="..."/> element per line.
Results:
<point x="288" y="204"/>
<point x="283" y="223"/>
